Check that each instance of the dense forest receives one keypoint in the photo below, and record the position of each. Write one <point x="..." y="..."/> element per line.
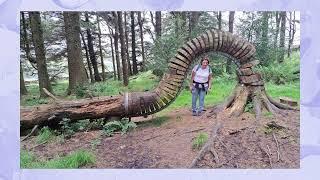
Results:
<point x="79" y="57"/>
<point x="92" y="47"/>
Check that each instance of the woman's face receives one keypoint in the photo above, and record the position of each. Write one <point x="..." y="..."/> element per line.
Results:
<point x="205" y="62"/>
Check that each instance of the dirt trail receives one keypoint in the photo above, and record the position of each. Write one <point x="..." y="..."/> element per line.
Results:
<point x="243" y="142"/>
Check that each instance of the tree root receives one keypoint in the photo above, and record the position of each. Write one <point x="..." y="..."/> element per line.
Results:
<point x="243" y="94"/>
<point x="208" y="147"/>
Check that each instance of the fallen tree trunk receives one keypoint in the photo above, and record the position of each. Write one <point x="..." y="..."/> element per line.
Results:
<point x="74" y="110"/>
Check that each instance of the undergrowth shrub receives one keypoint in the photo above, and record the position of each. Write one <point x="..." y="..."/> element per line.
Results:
<point x="283" y="73"/>
<point x="123" y="125"/>
<point x="45" y="135"/>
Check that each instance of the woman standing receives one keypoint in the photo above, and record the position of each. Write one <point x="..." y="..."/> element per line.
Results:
<point x="200" y="84"/>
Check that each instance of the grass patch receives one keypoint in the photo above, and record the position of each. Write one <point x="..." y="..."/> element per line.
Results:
<point x="159" y="121"/>
<point x="199" y="140"/>
<point x="76" y="159"/>
<point x="45" y="135"/>
<point x="144" y="81"/>
<point x="268" y="114"/>
<point x="291" y="90"/>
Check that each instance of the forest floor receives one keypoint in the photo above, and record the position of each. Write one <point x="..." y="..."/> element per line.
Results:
<point x="167" y="142"/>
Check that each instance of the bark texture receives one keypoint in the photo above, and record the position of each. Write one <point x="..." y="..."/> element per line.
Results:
<point x="116" y="44"/>
<point x="92" y="54"/>
<point x="77" y="72"/>
<point x="123" y="50"/>
<point x="37" y="34"/>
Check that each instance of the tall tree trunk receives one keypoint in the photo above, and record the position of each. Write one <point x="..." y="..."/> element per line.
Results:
<point x="26" y="39"/>
<point x="264" y="36"/>
<point x="219" y="17"/>
<point x="282" y="35"/>
<point x="37" y="34"/>
<point x="293" y="29"/>
<point x="123" y="51"/>
<point x="193" y="21"/>
<point x="113" y="60"/>
<point x="184" y="21"/>
<point x="290" y="35"/>
<point x="91" y="51"/>
<point x="76" y="68"/>
<point x="231" y="20"/>
<point x="133" y="42"/>
<point x="23" y="89"/>
<point x="127" y="43"/>
<point x="158" y="24"/>
<point x="142" y="67"/>
<point x="100" y="49"/>
<point x="180" y="22"/>
<point x="275" y="41"/>
<point x="87" y="57"/>
<point x="116" y="44"/>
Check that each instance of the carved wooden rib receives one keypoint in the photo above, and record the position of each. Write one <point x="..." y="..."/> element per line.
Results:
<point x="172" y="82"/>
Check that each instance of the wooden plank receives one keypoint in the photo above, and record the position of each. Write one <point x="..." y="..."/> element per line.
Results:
<point x="232" y="39"/>
<point x="177" y="80"/>
<point x="175" y="83"/>
<point x="245" y="52"/>
<point x="249" y="55"/>
<point x="161" y="100"/>
<point x="183" y="59"/>
<point x="197" y="45"/>
<point x="250" y="64"/>
<point x="179" y="62"/>
<point x="169" y="89"/>
<point x="205" y="39"/>
<point x="215" y="39"/>
<point x="172" y="70"/>
<point x="156" y="104"/>
<point x="181" y="72"/>
<point x="250" y="79"/>
<point x="245" y="71"/>
<point x="240" y="44"/>
<point x="243" y="48"/>
<point x="153" y="107"/>
<point x="210" y="38"/>
<point x="233" y="45"/>
<point x="202" y="44"/>
<point x="185" y="54"/>
<point x="188" y="50"/>
<point x="176" y="77"/>
<point x="177" y="67"/>
<point x="237" y="48"/>
<point x="172" y="87"/>
<point x="193" y="47"/>
<point x="259" y="83"/>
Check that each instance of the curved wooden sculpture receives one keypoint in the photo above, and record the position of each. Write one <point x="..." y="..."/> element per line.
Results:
<point x="250" y="87"/>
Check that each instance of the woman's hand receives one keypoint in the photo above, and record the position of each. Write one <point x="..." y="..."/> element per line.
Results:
<point x="190" y="87"/>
